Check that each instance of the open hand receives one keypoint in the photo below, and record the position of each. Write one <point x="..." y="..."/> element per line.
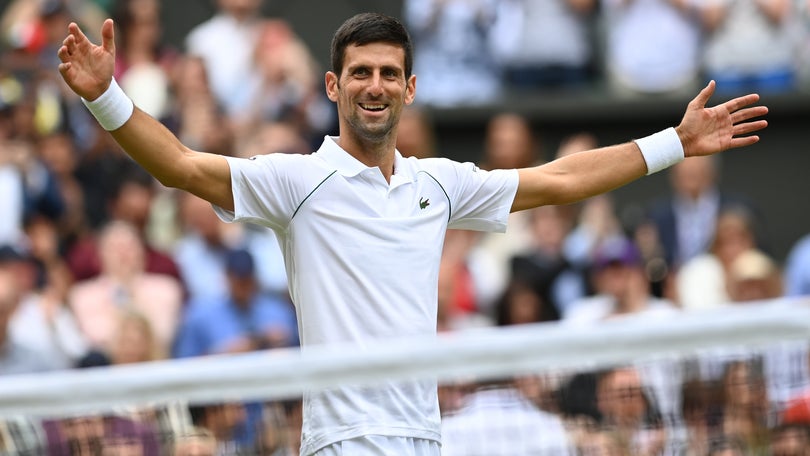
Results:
<point x="86" y="68"/>
<point x="705" y="131"/>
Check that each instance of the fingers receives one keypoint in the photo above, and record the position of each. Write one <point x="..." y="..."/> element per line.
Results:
<point x="75" y="31"/>
<point x="743" y="141"/>
<point x="748" y="113"/>
<point x="703" y="97"/>
<point x="749" y="127"/>
<point x="108" y="36"/>
<point x="740" y="102"/>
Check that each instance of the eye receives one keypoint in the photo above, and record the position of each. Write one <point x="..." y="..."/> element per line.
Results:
<point x="361" y="72"/>
<point x="390" y="73"/>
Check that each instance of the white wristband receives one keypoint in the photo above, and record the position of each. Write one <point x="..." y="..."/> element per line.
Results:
<point x="661" y="150"/>
<point x="112" y="109"/>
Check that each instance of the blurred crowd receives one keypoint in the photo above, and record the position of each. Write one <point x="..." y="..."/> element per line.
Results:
<point x="102" y="266"/>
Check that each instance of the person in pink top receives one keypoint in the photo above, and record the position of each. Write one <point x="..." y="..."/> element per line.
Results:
<point x="124" y="285"/>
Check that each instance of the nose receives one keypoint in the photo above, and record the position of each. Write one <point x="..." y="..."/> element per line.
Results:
<point x="375" y="86"/>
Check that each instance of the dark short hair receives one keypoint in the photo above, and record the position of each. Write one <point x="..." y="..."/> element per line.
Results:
<point x="365" y="28"/>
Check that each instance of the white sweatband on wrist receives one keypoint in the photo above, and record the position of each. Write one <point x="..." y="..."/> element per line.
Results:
<point x="112" y="109"/>
<point x="661" y="150"/>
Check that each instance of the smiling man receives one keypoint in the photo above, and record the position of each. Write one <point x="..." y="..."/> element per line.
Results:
<point x="362" y="227"/>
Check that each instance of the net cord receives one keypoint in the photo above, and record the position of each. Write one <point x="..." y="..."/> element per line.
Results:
<point x="479" y="353"/>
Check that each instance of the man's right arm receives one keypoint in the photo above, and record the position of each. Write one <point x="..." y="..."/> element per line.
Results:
<point x="88" y="70"/>
<point x="160" y="153"/>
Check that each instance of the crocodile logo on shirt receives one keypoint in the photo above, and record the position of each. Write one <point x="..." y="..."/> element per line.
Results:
<point x="423" y="203"/>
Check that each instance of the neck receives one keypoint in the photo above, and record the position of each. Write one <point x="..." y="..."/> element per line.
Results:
<point x="379" y="153"/>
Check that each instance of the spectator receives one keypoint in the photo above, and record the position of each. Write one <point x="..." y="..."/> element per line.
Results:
<point x="544" y="262"/>
<point x="451" y="55"/>
<point x="197" y="441"/>
<point x="286" y="87"/>
<point x="790" y="440"/>
<point x="228" y="423"/>
<point x="60" y="156"/>
<point x="700" y="411"/>
<point x="469" y="276"/>
<point x="750" y="45"/>
<point x="623" y="290"/>
<point x="652" y="46"/>
<point x="226" y="43"/>
<point x="702" y="282"/>
<point x="754" y="276"/>
<point x="200" y="251"/>
<point x="15" y="358"/>
<point x="496" y="419"/>
<point x="797" y="268"/>
<point x="745" y="410"/>
<point x="543" y="44"/>
<point x="131" y="203"/>
<point x="242" y="320"/>
<point x="509" y="142"/>
<point x="43" y="320"/>
<point x="101" y="435"/>
<point x="523" y="303"/>
<point x="628" y="409"/>
<point x="196" y="116"/>
<point x="143" y="61"/>
<point x="416" y="137"/>
<point x="686" y="219"/>
<point x="124" y="284"/>
<point x="28" y="187"/>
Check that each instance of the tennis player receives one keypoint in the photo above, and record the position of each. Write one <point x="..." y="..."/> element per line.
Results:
<point x="361" y="227"/>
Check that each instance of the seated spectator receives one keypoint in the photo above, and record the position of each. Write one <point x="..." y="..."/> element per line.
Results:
<point x="287" y="85"/>
<point x="242" y="320"/>
<point x="623" y="290"/>
<point x="750" y="45"/>
<point x="523" y="303"/>
<point x="416" y="136"/>
<point x="197" y="441"/>
<point x="124" y="284"/>
<point x="225" y="43"/>
<point x="519" y="429"/>
<point x="544" y="262"/>
<point x="201" y="249"/>
<point x="790" y="440"/>
<point x="130" y="202"/>
<point x="43" y="319"/>
<point x="544" y="44"/>
<point x="627" y="408"/>
<point x="142" y="59"/>
<point x="229" y="423"/>
<point x="16" y="358"/>
<point x="797" y="268"/>
<point x="451" y="55"/>
<point x="702" y="282"/>
<point x="103" y="435"/>
<point x="652" y="46"/>
<point x="745" y="408"/>
<point x="754" y="276"/>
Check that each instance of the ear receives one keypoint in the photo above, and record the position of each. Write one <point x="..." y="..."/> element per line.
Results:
<point x="410" y="89"/>
<point x="331" y="83"/>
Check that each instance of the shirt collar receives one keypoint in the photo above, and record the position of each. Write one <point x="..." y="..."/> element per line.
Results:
<point x="349" y="166"/>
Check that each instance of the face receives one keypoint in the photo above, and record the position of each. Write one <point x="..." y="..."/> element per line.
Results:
<point x="371" y="91"/>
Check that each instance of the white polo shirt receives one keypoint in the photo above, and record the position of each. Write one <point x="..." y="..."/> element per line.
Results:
<point x="362" y="257"/>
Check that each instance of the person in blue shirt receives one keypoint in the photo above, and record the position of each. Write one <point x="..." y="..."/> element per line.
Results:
<point x="243" y="320"/>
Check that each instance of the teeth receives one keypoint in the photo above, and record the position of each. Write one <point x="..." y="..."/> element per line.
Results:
<point x="373" y="107"/>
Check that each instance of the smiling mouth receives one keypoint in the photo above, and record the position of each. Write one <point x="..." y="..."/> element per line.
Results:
<point x="373" y="107"/>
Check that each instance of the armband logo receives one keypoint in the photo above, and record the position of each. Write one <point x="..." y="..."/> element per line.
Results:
<point x="424" y="202"/>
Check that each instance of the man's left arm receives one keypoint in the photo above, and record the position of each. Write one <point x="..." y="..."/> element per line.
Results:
<point x="702" y="131"/>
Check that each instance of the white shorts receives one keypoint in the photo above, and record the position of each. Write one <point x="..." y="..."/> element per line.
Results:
<point x="382" y="445"/>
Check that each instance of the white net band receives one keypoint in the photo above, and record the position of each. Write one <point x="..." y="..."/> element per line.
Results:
<point x="480" y="354"/>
